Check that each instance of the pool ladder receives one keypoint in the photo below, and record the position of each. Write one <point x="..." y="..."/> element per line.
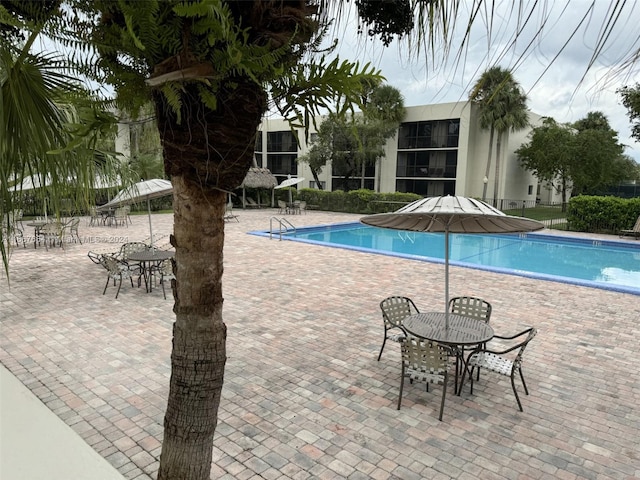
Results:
<point x="284" y="225"/>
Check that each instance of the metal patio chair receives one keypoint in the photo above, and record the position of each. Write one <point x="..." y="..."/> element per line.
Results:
<point x="117" y="270"/>
<point x="424" y="361"/>
<point x="496" y="361"/>
<point x="472" y="307"/>
<point x="394" y="310"/>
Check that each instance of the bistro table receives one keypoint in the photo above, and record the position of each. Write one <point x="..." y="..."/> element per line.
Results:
<point x="462" y="331"/>
<point x="37" y="227"/>
<point x="148" y="259"/>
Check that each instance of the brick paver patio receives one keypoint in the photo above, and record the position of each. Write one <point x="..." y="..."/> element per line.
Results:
<point x="304" y="396"/>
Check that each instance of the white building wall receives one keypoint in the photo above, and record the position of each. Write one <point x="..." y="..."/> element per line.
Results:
<point x="473" y="149"/>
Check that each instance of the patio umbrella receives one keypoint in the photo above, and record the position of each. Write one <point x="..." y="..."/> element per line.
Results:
<point x="451" y="215"/>
<point x="138" y="192"/>
<point x="289" y="182"/>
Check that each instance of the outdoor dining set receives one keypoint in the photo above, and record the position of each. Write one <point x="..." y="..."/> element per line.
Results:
<point x="47" y="231"/>
<point x="143" y="260"/>
<point x="463" y="335"/>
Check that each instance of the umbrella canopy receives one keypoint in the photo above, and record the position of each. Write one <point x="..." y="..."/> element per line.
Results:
<point x="138" y="192"/>
<point x="451" y="215"/>
<point x="289" y="182"/>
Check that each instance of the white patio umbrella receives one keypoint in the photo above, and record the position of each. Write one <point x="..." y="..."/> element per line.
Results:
<point x="289" y="182"/>
<point x="138" y="192"/>
<point x="451" y="215"/>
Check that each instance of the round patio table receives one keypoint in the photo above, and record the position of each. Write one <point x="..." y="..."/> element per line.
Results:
<point x="148" y="259"/>
<point x="37" y="225"/>
<point x="463" y="331"/>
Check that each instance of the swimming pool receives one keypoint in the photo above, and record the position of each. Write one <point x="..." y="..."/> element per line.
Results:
<point x="602" y="264"/>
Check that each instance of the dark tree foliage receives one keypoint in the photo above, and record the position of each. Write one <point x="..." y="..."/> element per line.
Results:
<point x="631" y="100"/>
<point x="27" y="11"/>
<point x="385" y="18"/>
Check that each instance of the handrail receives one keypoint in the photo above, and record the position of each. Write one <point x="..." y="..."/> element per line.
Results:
<point x="282" y="222"/>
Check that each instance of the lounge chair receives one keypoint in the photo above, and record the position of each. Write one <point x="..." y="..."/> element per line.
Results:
<point x="250" y="202"/>
<point x="635" y="231"/>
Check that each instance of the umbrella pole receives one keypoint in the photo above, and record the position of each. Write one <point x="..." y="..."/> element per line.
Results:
<point x="150" y="226"/>
<point x="446" y="278"/>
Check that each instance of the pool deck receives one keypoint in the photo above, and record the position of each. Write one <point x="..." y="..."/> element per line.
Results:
<point x="304" y="397"/>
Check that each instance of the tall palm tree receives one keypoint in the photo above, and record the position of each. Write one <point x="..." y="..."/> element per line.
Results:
<point x="386" y="110"/>
<point x="502" y="106"/>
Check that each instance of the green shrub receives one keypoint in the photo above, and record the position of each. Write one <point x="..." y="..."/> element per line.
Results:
<point x="602" y="214"/>
<point x="355" y="201"/>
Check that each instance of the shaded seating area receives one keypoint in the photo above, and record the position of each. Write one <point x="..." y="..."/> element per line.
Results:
<point x="632" y="232"/>
<point x="137" y="259"/>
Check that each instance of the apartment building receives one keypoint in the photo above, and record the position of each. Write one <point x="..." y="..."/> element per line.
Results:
<point x="438" y="150"/>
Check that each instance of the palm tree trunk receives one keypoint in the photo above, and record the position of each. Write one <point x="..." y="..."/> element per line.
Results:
<point x="201" y="173"/>
<point x="496" y="181"/>
<point x="198" y="356"/>
<point x="487" y="170"/>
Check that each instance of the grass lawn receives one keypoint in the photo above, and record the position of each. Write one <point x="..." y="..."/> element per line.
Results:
<point x="539" y="213"/>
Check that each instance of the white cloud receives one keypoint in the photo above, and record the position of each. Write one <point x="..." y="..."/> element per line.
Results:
<point x="557" y="89"/>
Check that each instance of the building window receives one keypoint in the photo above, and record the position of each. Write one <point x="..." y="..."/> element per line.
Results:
<point x="424" y="163"/>
<point x="426" y="188"/>
<point x="281" y="142"/>
<point x="258" y="159"/>
<point x="351" y="183"/>
<point x="313" y="184"/>
<point x="282" y="164"/>
<point x="530" y="189"/>
<point x="429" y="134"/>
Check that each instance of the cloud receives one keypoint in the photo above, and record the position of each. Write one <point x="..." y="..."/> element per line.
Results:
<point x="566" y="87"/>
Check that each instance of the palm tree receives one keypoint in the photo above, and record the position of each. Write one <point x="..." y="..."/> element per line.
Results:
<point x="211" y="70"/>
<point x="49" y="126"/>
<point x="502" y="107"/>
<point x="385" y="110"/>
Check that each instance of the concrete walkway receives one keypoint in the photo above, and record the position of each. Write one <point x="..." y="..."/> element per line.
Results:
<point x="35" y="444"/>
<point x="304" y="396"/>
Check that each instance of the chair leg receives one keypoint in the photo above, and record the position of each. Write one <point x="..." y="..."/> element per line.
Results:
<point x="105" y="287"/>
<point x="444" y="394"/>
<point x="382" y="348"/>
<point x="523" y="382"/>
<point x="165" y="295"/>
<point x="513" y="385"/>
<point x="401" y="387"/>
<point x="119" y="286"/>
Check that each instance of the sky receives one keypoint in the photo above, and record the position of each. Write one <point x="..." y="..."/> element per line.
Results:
<point x="565" y="89"/>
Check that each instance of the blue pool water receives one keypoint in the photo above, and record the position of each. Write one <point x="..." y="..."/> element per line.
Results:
<point x="602" y="264"/>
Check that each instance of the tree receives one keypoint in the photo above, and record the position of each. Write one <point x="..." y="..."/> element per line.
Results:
<point x="631" y="101"/>
<point x="49" y="126"/>
<point x="502" y="107"/>
<point x="549" y="154"/>
<point x="596" y="155"/>
<point x="210" y="68"/>
<point x="586" y="160"/>
<point x="352" y="143"/>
